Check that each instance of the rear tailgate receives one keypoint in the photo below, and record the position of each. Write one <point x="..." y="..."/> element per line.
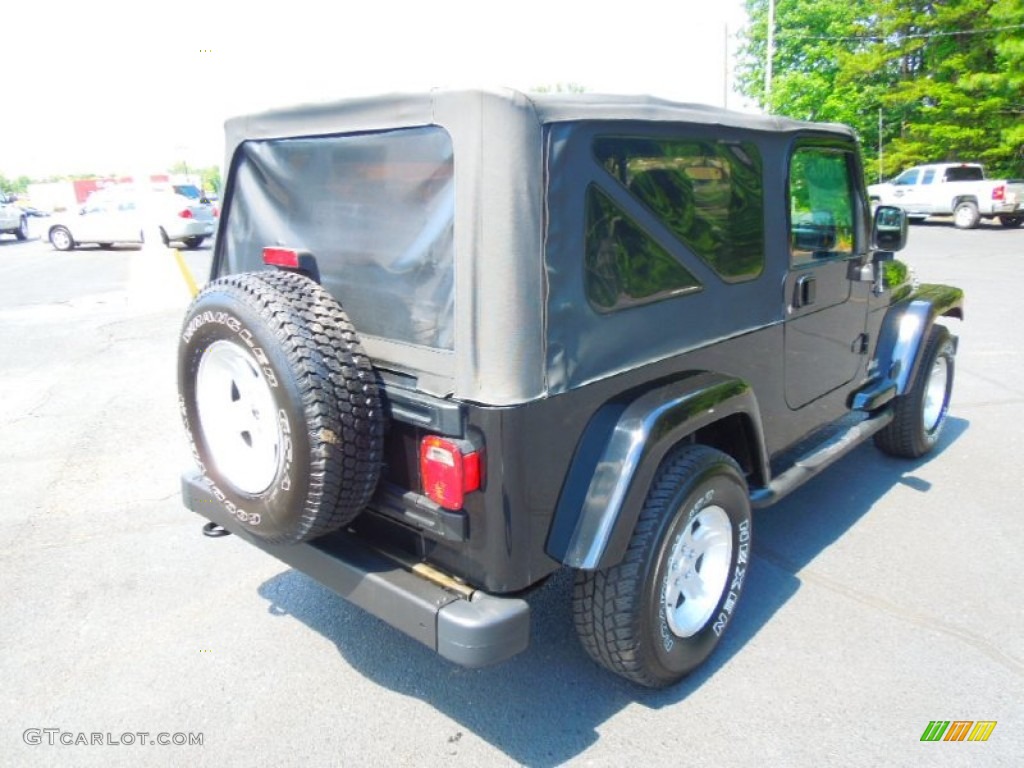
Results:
<point x="1014" y="194"/>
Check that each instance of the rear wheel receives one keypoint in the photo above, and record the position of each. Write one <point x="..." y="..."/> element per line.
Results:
<point x="659" y="613"/>
<point x="966" y="215"/>
<point x="920" y="414"/>
<point x="280" y="404"/>
<point x="193" y="242"/>
<point x="22" y="231"/>
<point x="1011" y="221"/>
<point x="60" y="238"/>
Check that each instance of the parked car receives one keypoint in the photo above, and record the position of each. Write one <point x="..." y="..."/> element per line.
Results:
<point x="123" y="216"/>
<point x="13" y="220"/>
<point x="455" y="342"/>
<point x="957" y="189"/>
<point x="194" y="193"/>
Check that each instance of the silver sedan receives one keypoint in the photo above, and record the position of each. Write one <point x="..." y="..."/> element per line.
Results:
<point x="115" y="217"/>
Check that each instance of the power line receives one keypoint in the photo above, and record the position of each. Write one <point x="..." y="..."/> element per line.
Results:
<point x="909" y="36"/>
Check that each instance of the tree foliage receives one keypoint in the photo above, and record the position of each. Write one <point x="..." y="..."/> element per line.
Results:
<point x="946" y="76"/>
<point x="209" y="176"/>
<point x="16" y="186"/>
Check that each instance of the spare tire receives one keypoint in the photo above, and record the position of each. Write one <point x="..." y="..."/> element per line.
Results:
<point x="281" y="405"/>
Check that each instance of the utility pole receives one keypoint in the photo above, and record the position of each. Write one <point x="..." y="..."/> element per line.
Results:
<point x="725" y="69"/>
<point x="879" y="145"/>
<point x="770" y="54"/>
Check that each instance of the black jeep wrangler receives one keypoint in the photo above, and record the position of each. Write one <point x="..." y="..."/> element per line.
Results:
<point x="454" y="342"/>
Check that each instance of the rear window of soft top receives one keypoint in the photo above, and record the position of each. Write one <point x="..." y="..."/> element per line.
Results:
<point x="376" y="210"/>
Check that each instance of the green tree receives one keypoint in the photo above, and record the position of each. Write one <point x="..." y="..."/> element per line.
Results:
<point x="18" y="186"/>
<point x="208" y="176"/>
<point x="211" y="179"/>
<point x="946" y="78"/>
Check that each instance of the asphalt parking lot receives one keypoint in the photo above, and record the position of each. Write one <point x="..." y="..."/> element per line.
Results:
<point x="884" y="595"/>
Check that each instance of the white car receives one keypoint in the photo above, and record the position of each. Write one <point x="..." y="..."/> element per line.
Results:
<point x="116" y="216"/>
<point x="13" y="220"/>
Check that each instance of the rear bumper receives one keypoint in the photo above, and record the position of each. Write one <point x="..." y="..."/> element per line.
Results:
<point x="182" y="228"/>
<point x="472" y="630"/>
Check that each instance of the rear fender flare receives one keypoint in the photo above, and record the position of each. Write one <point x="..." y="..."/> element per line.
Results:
<point x="619" y="453"/>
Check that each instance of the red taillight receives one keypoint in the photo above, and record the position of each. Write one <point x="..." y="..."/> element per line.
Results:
<point x="281" y="257"/>
<point x="449" y="470"/>
<point x="999" y="192"/>
<point x="185" y="214"/>
<point x="216" y="211"/>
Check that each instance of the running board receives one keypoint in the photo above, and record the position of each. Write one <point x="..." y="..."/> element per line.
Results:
<point x="821" y="456"/>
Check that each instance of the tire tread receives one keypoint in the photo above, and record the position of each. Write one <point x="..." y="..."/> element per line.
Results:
<point x="607" y="604"/>
<point x="338" y="388"/>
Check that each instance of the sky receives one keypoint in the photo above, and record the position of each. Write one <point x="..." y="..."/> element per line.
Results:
<point x="109" y="86"/>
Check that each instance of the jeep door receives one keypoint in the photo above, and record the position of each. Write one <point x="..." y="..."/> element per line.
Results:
<point x="826" y="304"/>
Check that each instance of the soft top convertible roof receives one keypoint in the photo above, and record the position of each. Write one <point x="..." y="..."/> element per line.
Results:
<point x="500" y="354"/>
<point x="400" y="109"/>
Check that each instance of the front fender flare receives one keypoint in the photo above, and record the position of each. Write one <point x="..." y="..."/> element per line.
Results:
<point x="901" y="338"/>
<point x="619" y="453"/>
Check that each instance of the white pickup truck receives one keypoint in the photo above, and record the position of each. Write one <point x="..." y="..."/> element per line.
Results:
<point x="957" y="189"/>
<point x="12" y="219"/>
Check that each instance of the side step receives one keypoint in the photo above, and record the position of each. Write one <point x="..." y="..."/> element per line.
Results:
<point x="821" y="456"/>
<point x="466" y="626"/>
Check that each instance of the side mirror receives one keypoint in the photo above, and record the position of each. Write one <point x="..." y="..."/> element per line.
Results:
<point x="889" y="229"/>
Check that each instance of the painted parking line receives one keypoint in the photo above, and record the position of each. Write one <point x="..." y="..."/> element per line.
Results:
<point x="186" y="273"/>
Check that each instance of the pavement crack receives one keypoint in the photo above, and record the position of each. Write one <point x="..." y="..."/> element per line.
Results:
<point x="899" y="612"/>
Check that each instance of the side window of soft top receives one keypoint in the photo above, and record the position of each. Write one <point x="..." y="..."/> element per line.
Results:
<point x="707" y="194"/>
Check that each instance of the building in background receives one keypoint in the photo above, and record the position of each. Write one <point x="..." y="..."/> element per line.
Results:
<point x="58" y="196"/>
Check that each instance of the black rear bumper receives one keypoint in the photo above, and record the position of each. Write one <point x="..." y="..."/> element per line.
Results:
<point x="472" y="629"/>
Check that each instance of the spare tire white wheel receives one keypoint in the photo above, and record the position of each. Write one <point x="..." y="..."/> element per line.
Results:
<point x="280" y="404"/>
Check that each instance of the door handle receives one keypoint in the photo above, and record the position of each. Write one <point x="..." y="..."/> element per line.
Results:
<point x="806" y="291"/>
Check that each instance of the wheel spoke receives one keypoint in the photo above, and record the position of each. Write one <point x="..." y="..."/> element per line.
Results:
<point x="706" y="538"/>
<point x="697" y="571"/>
<point x="692" y="585"/>
<point x="238" y="416"/>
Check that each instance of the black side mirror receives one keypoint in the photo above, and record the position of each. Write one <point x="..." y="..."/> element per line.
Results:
<point x="889" y="230"/>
